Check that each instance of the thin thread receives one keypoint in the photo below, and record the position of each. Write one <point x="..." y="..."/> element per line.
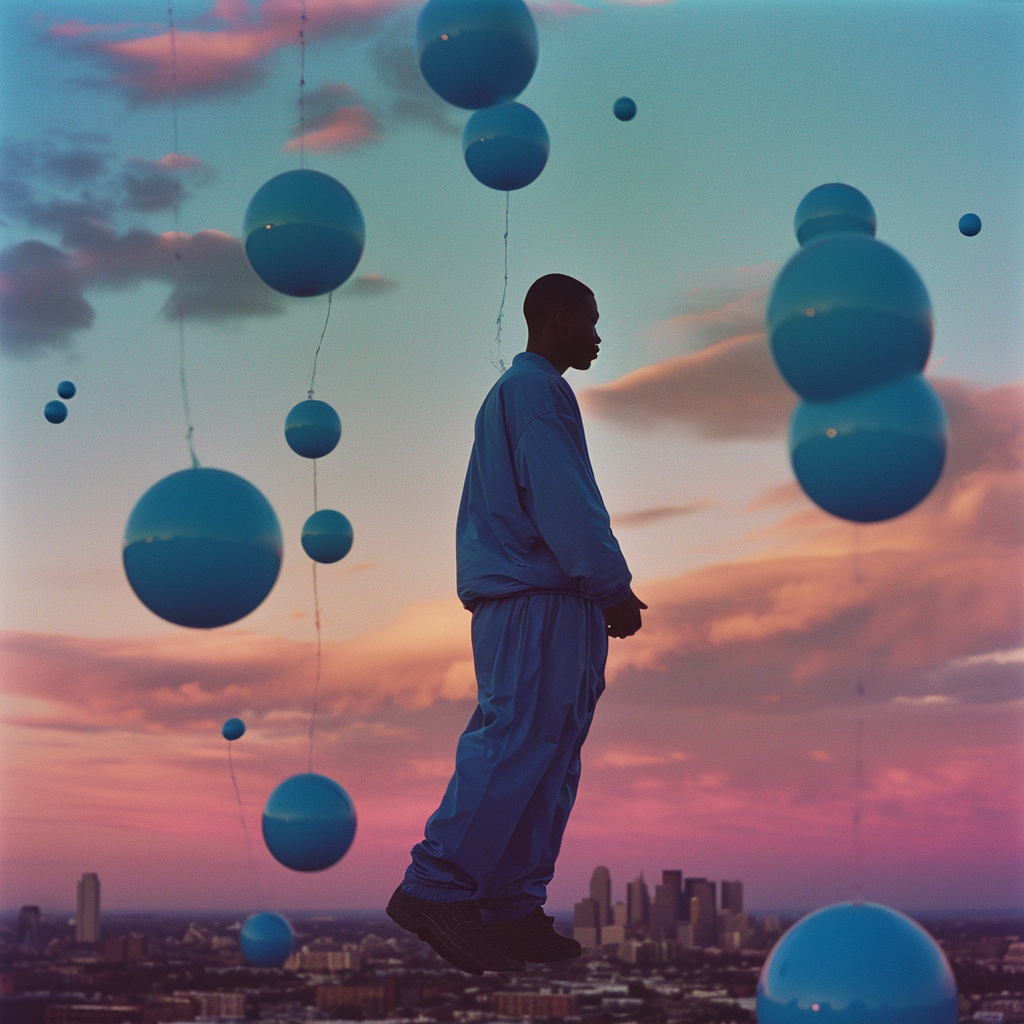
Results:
<point x="316" y="354"/>
<point x="302" y="89"/>
<point x="245" y="831"/>
<point x="498" y="362"/>
<point x="189" y="428"/>
<point x="319" y="654"/>
<point x="858" y="769"/>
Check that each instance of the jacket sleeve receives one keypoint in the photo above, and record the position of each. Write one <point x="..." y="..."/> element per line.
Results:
<point x="558" y="491"/>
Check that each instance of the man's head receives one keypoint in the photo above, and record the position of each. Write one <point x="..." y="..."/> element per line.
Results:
<point x="561" y="315"/>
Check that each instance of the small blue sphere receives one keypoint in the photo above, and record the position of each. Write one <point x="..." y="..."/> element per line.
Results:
<point x="833" y="209"/>
<point x="267" y="940"/>
<point x="233" y="729"/>
<point x="202" y="548"/>
<point x="970" y="224"/>
<point x="873" y="455"/>
<point x="856" y="963"/>
<point x="505" y="147"/>
<point x="309" y="822"/>
<point x="847" y="312"/>
<point x="55" y="412"/>
<point x="303" y="233"/>
<point x="312" y="429"/>
<point x="327" y="536"/>
<point x="624" y="108"/>
<point x="66" y="389"/>
<point x="476" y="53"/>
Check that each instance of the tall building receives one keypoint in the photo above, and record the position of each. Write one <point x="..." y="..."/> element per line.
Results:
<point x="667" y="909"/>
<point x="87" y="920"/>
<point x="732" y="897"/>
<point x="705" y="926"/>
<point x="601" y="892"/>
<point x="586" y="923"/>
<point x="28" y="927"/>
<point x="638" y="902"/>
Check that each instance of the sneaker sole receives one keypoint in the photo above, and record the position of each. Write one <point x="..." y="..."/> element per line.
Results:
<point x="442" y="933"/>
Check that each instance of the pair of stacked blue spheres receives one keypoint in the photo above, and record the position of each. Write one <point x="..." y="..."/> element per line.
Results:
<point x="56" y="411"/>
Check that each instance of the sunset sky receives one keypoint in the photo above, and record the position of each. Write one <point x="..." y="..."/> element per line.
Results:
<point x="725" y="743"/>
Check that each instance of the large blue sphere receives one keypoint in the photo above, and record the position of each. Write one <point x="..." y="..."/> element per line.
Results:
<point x="624" y="108"/>
<point x="233" y="729"/>
<point x="327" y="536"/>
<point x="970" y="224"/>
<point x="856" y="963"/>
<point x="202" y="548"/>
<point x="312" y="429"/>
<point x="303" y="233"/>
<point x="476" y="53"/>
<point x="505" y="147"/>
<point x="67" y="389"/>
<point x="833" y="209"/>
<point x="847" y="312"/>
<point x="55" y="412"/>
<point x="873" y="455"/>
<point x="267" y="940"/>
<point x="308" y="822"/>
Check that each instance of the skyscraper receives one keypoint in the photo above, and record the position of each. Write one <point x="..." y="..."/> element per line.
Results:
<point x="732" y="897"/>
<point x="638" y="902"/>
<point x="586" y="924"/>
<point x="87" y="920"/>
<point x="28" y="927"/>
<point x="705" y="927"/>
<point x="601" y="892"/>
<point x="667" y="910"/>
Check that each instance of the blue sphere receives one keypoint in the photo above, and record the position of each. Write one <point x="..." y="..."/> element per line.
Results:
<point x="66" y="389"/>
<point x="202" y="548"/>
<point x="856" y="963"/>
<point x="505" y="147"/>
<point x="833" y="209"/>
<point x="327" y="536"/>
<point x="970" y="224"/>
<point x="55" y="412"/>
<point x="624" y="108"/>
<point x="233" y="729"/>
<point x="267" y="940"/>
<point x="312" y="429"/>
<point x="873" y="455"/>
<point x="303" y="233"/>
<point x="476" y="53"/>
<point x="847" y="312"/>
<point x="308" y="822"/>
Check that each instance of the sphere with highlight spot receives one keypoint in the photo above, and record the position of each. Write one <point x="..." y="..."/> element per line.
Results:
<point x="233" y="729"/>
<point x="55" y="412"/>
<point x="312" y="429"/>
<point x="832" y="209"/>
<point x="202" y="548"/>
<point x="873" y="455"/>
<point x="327" y="536"/>
<point x="624" y="108"/>
<point x="309" y="822"/>
<point x="847" y="312"/>
<point x="303" y="233"/>
<point x="66" y="389"/>
<point x="856" y="963"/>
<point x="476" y="53"/>
<point x="970" y="224"/>
<point x="505" y="147"/>
<point x="267" y="940"/>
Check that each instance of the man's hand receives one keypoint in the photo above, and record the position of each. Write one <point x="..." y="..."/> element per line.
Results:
<point x="623" y="619"/>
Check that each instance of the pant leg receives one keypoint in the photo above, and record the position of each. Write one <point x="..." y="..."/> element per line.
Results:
<point x="540" y="669"/>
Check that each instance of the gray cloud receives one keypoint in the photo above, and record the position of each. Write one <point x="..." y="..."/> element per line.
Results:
<point x="370" y="284"/>
<point x="646" y="516"/>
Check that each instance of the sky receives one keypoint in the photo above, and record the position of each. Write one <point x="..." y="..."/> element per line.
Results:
<point x="725" y="745"/>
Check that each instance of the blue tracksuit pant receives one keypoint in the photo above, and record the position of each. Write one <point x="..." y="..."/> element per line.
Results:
<point x="540" y="662"/>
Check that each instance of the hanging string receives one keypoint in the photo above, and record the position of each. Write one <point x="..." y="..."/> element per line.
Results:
<point x="858" y="769"/>
<point x="316" y="356"/>
<point x="245" y="831"/>
<point x="180" y="312"/>
<point x="302" y="89"/>
<point x="319" y="660"/>
<point x="498" y="362"/>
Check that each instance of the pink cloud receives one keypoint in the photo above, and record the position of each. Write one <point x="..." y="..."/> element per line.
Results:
<point x="347" y="128"/>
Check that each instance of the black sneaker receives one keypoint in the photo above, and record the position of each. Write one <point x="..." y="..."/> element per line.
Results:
<point x="453" y="930"/>
<point x="532" y="938"/>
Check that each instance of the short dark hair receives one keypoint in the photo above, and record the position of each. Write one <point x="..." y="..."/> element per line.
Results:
<point x="552" y="291"/>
